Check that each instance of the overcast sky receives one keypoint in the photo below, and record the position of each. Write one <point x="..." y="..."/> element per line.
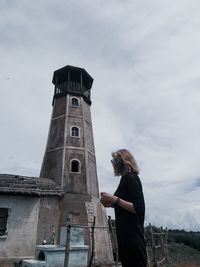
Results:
<point x="144" y="57"/>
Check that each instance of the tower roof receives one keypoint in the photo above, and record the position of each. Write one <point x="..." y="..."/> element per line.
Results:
<point x="75" y="74"/>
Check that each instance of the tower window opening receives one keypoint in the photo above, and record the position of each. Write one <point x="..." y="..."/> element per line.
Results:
<point x="75" y="102"/>
<point x="75" y="166"/>
<point x="75" y="132"/>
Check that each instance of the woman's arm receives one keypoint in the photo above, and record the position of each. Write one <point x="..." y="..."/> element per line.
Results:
<point x="124" y="204"/>
<point x="109" y="200"/>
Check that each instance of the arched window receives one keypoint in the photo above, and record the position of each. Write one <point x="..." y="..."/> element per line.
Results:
<point x="75" y="102"/>
<point x="75" y="166"/>
<point x="75" y="132"/>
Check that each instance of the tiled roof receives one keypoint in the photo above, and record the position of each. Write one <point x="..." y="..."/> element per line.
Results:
<point x="17" y="184"/>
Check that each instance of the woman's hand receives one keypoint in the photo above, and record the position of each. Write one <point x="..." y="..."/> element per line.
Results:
<point x="107" y="199"/>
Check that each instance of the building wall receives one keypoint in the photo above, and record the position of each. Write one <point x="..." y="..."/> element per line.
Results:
<point x="92" y="173"/>
<point x="52" y="165"/>
<point x="59" y="106"/>
<point x="48" y="221"/>
<point x="52" y="161"/>
<point x="103" y="247"/>
<point x="73" y="141"/>
<point x="75" y="182"/>
<point x="73" y="111"/>
<point x="21" y="226"/>
<point x="74" y="204"/>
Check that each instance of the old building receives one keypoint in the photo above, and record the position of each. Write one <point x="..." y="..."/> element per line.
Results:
<point x="20" y="200"/>
<point x="68" y="180"/>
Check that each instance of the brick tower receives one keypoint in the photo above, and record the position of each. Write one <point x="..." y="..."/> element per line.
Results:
<point x="70" y="159"/>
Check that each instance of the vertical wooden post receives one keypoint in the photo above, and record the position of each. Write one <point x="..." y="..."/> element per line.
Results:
<point x="153" y="245"/>
<point x="162" y="243"/>
<point x="67" y="243"/>
<point x="92" y="245"/>
<point x="115" y="246"/>
<point x="166" y="245"/>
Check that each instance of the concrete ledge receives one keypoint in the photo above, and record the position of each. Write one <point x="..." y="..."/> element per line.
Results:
<point x="33" y="263"/>
<point x="54" y="255"/>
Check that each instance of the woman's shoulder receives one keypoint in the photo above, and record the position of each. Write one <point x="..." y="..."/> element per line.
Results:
<point x="133" y="181"/>
<point x="132" y="176"/>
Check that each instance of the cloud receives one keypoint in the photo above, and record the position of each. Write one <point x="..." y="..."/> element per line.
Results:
<point x="144" y="58"/>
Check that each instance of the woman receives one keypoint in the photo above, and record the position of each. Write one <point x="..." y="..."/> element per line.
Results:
<point x="128" y="202"/>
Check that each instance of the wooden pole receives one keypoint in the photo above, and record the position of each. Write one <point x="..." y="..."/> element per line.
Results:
<point x="67" y="243"/>
<point x="166" y="244"/>
<point x="115" y="246"/>
<point x="92" y="245"/>
<point x="153" y="245"/>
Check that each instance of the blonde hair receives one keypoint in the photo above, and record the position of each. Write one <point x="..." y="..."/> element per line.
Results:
<point x="124" y="162"/>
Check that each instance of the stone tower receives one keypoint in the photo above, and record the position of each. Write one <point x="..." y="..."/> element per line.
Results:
<point x="70" y="159"/>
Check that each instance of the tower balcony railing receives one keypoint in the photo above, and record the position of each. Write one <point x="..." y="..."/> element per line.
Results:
<point x="73" y="88"/>
<point x="70" y="86"/>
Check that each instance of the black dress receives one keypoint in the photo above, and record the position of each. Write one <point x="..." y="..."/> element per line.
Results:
<point x="130" y="226"/>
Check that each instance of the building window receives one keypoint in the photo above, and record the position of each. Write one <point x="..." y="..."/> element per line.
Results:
<point x="75" y="102"/>
<point x="75" y="166"/>
<point x="4" y="212"/>
<point x="75" y="131"/>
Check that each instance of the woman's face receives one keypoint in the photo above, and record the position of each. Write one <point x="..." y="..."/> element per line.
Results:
<point x="112" y="161"/>
<point x="115" y="166"/>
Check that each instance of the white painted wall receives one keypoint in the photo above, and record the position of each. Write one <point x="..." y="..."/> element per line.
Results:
<point x="21" y="226"/>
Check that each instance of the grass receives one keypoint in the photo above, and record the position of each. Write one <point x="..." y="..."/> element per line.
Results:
<point x="179" y="255"/>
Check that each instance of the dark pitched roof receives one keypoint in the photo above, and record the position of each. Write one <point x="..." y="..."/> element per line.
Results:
<point x="17" y="184"/>
<point x="61" y="75"/>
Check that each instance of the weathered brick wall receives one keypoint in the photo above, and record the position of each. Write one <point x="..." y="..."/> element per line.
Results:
<point x="52" y="166"/>
<point x="76" y="142"/>
<point x="75" y="182"/>
<point x="48" y="221"/>
<point x="103" y="250"/>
